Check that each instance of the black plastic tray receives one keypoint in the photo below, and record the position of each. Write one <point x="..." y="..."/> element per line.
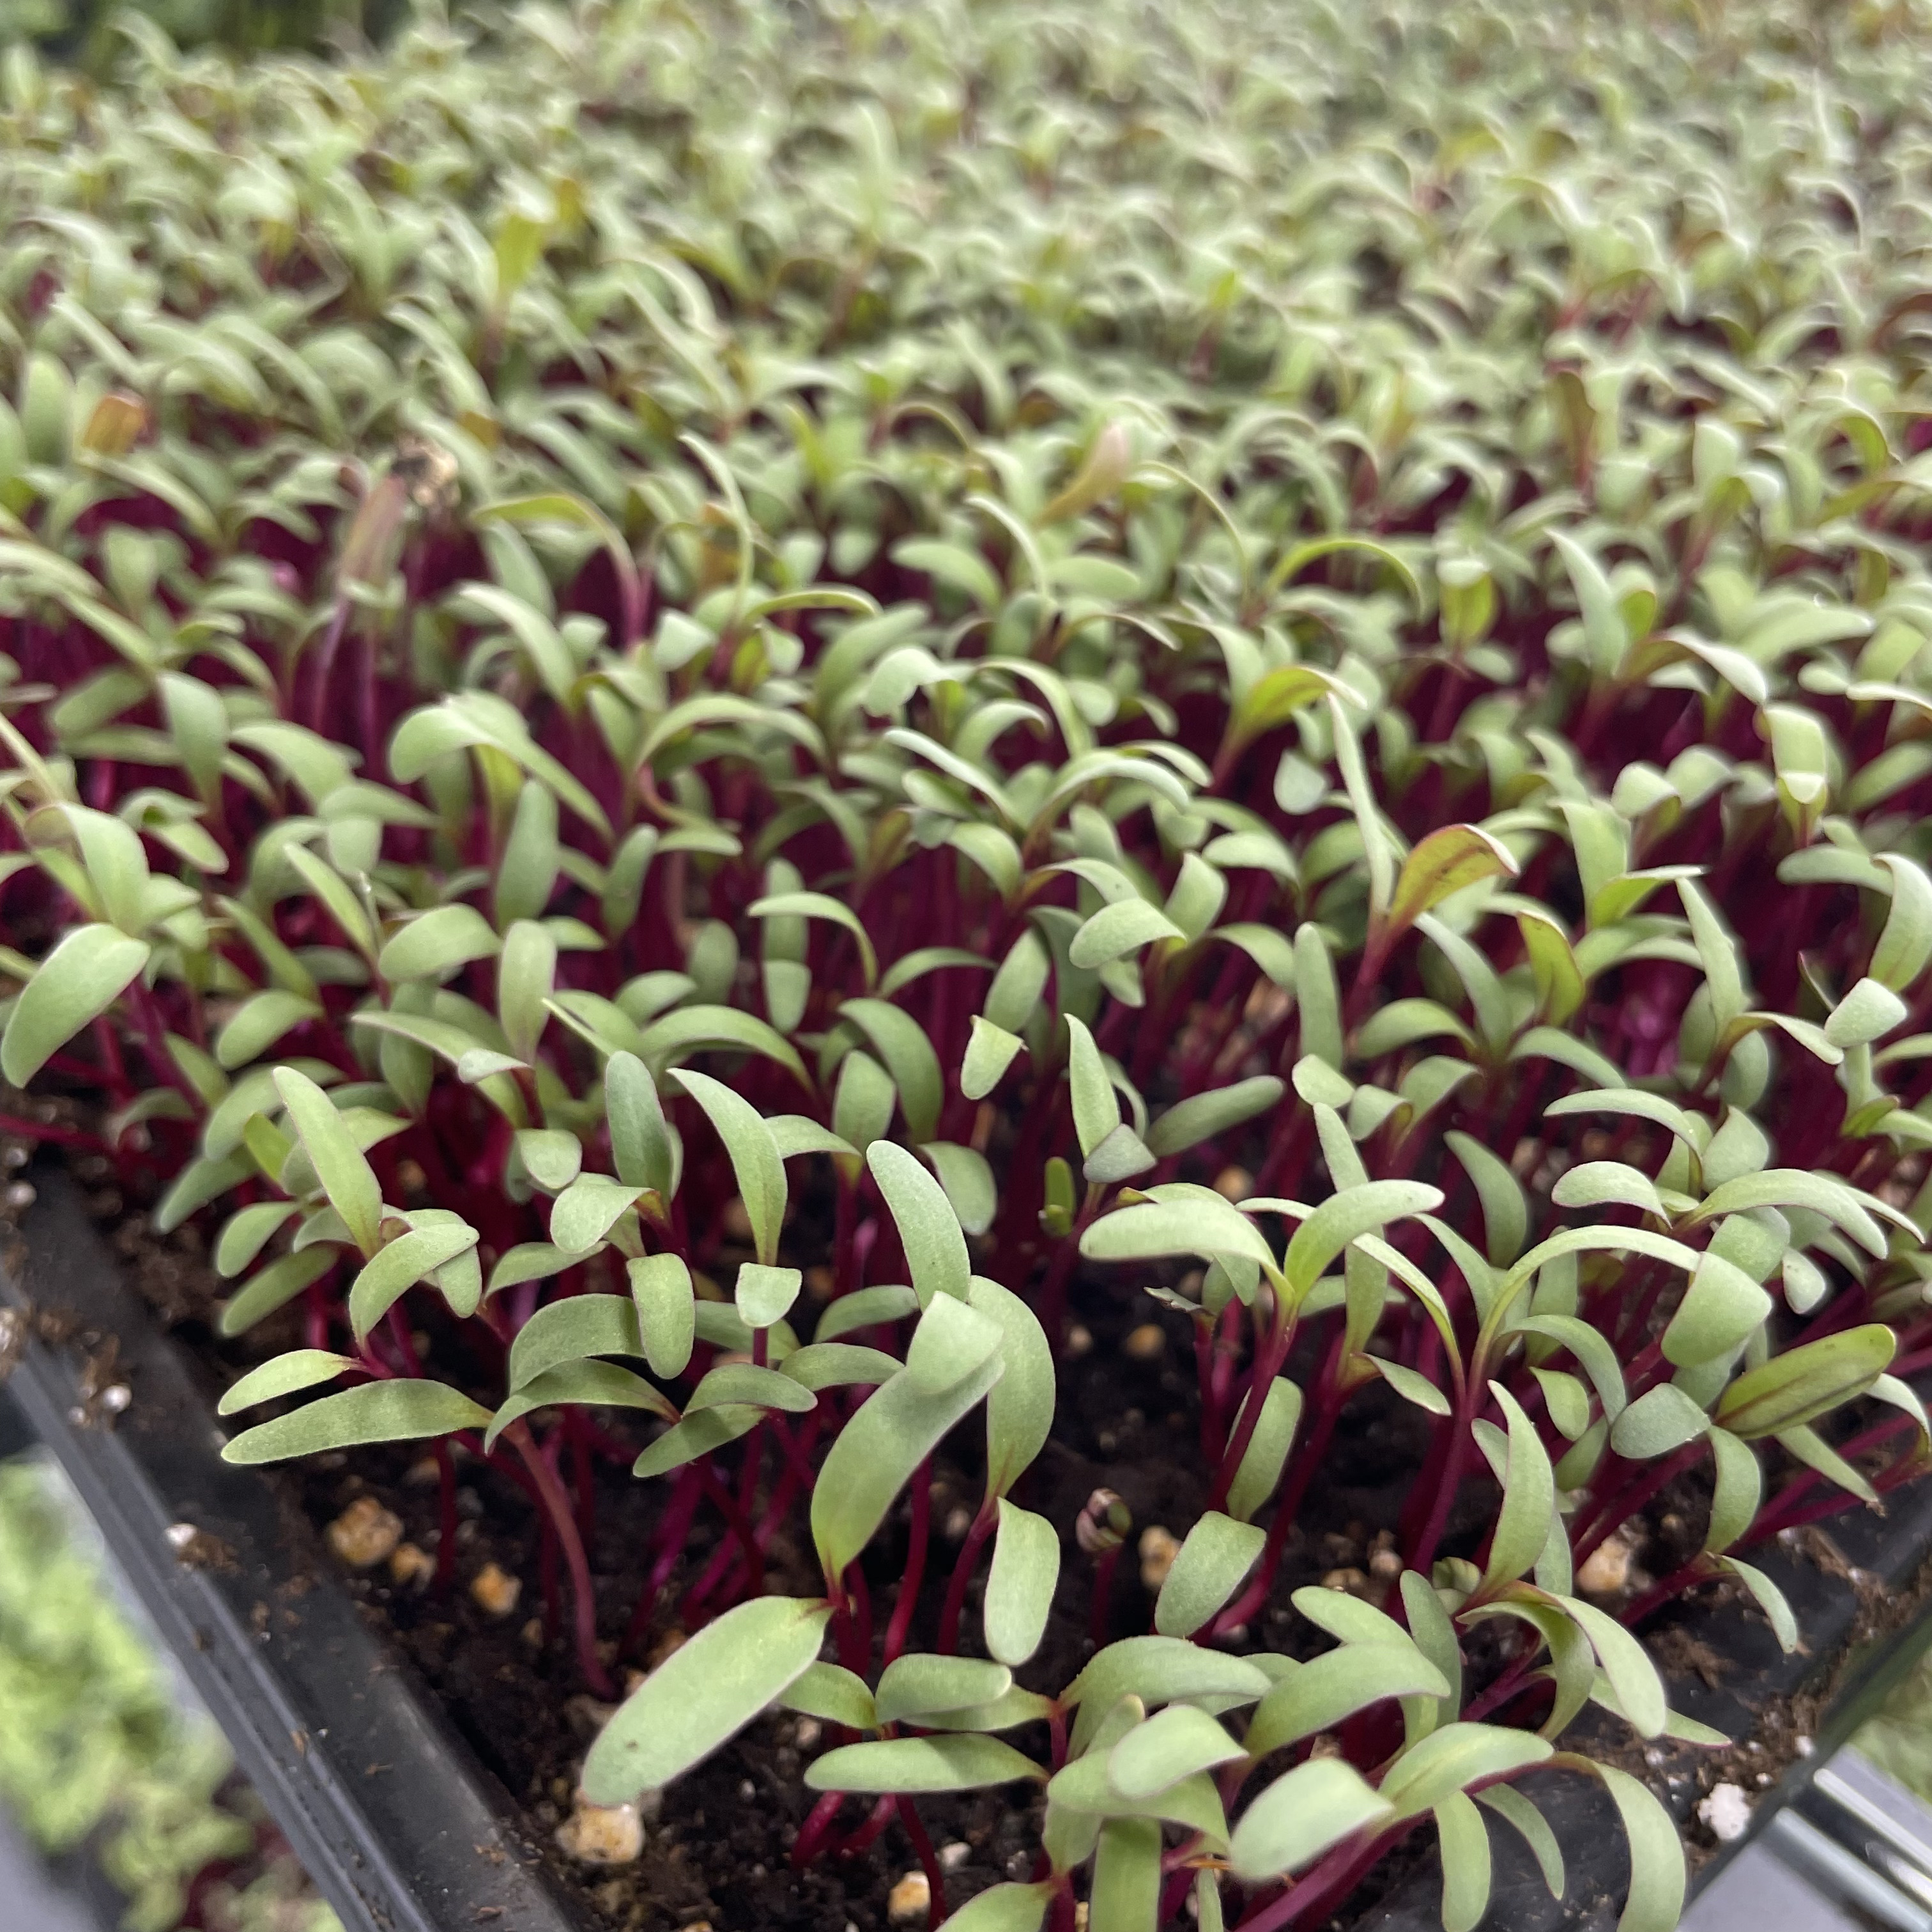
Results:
<point x="400" y="1828"/>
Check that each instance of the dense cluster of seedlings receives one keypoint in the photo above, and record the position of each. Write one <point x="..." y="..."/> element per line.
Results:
<point x="1276" y="652"/>
<point x="98" y="1759"/>
<point x="85" y="32"/>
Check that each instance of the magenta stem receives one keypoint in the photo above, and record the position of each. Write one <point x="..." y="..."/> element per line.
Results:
<point x="954" y="1605"/>
<point x="563" y="1523"/>
<point x="907" y="1599"/>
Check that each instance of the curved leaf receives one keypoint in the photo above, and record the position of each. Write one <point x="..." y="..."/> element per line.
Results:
<point x="921" y="1685"/>
<point x="1806" y="1382"/>
<point x="909" y="1058"/>
<point x="1335" y="1685"/>
<point x="1451" y="858"/>
<point x="436" y="941"/>
<point x="1003" y="1908"/>
<point x="398" y="1267"/>
<point x="1655" y="1903"/>
<point x="1019" y="1411"/>
<point x="1020" y="1586"/>
<point x="1301" y="1815"/>
<point x="75" y="984"/>
<point x="599" y="1383"/>
<point x="347" y="1177"/>
<point x="1453" y="1759"/>
<point x="755" y="1158"/>
<point x="570" y="1330"/>
<point x="708" y="1690"/>
<point x="285" y="1375"/>
<point x="962" y="1763"/>
<point x="1204" y="1116"/>
<point x="403" y="1410"/>
<point x="1218" y="1552"/>
<point x="929" y="1230"/>
<point x="877" y="1452"/>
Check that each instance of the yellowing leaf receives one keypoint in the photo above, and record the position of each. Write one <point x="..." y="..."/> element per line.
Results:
<point x="1451" y="858"/>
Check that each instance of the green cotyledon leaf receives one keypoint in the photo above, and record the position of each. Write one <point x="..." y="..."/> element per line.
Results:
<point x="1203" y="1224"/>
<point x="755" y="1156"/>
<point x="345" y="1175"/>
<point x="436" y="942"/>
<point x="960" y="1762"/>
<point x="877" y="1452"/>
<point x="401" y="1410"/>
<point x="76" y="982"/>
<point x="1019" y="1410"/>
<point x="643" y="1146"/>
<point x="602" y="1384"/>
<point x="1204" y="1116"/>
<point x="1336" y="1685"/>
<point x="398" y="1266"/>
<point x="706" y="1691"/>
<point x="929" y="1229"/>
<point x="829" y="1691"/>
<point x="1451" y="858"/>
<point x="1341" y="1219"/>
<point x="1020" y="1585"/>
<point x="1172" y="1745"/>
<point x="1454" y="1757"/>
<point x="285" y="1374"/>
<point x="1218" y="1552"/>
<point x="1003" y="1908"/>
<point x="1806" y="1382"/>
<point x="1655" y="1901"/>
<point x="919" y="1685"/>
<point x="1301" y="1815"/>
<point x="1157" y="1670"/>
<point x="1462" y="1842"/>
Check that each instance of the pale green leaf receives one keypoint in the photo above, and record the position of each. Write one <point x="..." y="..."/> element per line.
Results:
<point x="1655" y="1902"/>
<point x="1218" y="1552"/>
<point x="910" y="1765"/>
<point x="877" y="1452"/>
<point x="285" y="1374"/>
<point x="704" y="1693"/>
<point x="1020" y="1586"/>
<point x="929" y="1229"/>
<point x="76" y="982"/>
<point x="347" y="1177"/>
<point x="755" y="1159"/>
<point x="1301" y="1815"/>
<point x="401" y="1410"/>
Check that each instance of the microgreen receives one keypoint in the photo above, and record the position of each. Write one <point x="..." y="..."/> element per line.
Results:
<point x="732" y="711"/>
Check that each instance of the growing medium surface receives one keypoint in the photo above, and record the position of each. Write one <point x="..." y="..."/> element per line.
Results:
<point x="712" y="712"/>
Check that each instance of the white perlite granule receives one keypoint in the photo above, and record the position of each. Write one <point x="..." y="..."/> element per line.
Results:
<point x="1727" y="1812"/>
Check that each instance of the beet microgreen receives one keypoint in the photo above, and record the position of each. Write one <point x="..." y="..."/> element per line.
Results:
<point x="728" y="768"/>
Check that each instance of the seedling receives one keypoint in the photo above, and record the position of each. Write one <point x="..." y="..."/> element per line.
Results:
<point x="734" y="785"/>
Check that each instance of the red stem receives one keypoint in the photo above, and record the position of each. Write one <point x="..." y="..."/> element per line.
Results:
<point x="1288" y="1506"/>
<point x="907" y="1600"/>
<point x="1100" y="1613"/>
<point x="726" y="1505"/>
<point x="1268" y="1359"/>
<point x="672" y="1531"/>
<point x="962" y="1575"/>
<point x="816" y="1829"/>
<point x="929" y="1859"/>
<point x="557" y="1507"/>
